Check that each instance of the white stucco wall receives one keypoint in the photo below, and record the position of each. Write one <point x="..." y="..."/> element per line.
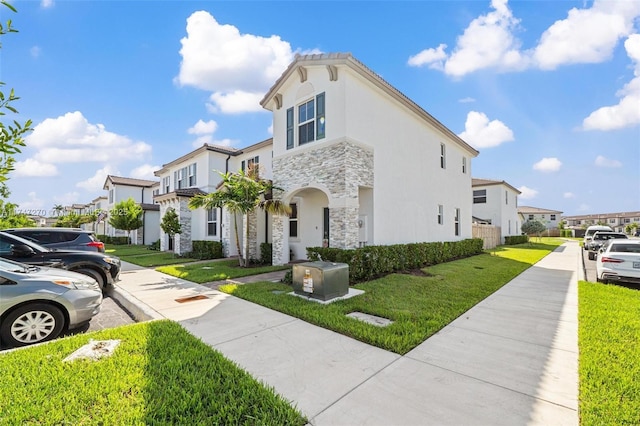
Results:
<point x="501" y="210"/>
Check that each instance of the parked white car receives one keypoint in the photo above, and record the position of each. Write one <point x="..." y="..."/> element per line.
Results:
<point x="592" y="230"/>
<point x="619" y="260"/>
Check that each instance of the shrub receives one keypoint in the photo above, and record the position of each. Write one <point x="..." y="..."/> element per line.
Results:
<point x="266" y="253"/>
<point x="369" y="262"/>
<point x="118" y="241"/>
<point x="206" y="250"/>
<point x="288" y="278"/>
<point x="155" y="245"/>
<point x="515" y="239"/>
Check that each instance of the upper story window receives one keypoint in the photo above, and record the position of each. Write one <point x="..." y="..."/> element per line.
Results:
<point x="530" y="217"/>
<point x="480" y="196"/>
<point x="156" y="192"/>
<point x="166" y="182"/>
<point x="440" y="214"/>
<point x="443" y="156"/>
<point x="192" y="174"/>
<point x="506" y="197"/>
<point x="456" y="223"/>
<point x="185" y="177"/>
<point x="553" y="217"/>
<point x="310" y="121"/>
<point x="612" y="221"/>
<point x="111" y="196"/>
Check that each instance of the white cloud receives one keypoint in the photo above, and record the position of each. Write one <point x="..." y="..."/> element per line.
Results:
<point x="527" y="193"/>
<point x="627" y="112"/>
<point x="488" y="41"/>
<point x="31" y="204"/>
<point x="270" y="129"/>
<point x="433" y="57"/>
<point x="236" y="102"/>
<point x="35" y="51"/>
<point x="46" y="4"/>
<point x="144" y="171"/>
<point x="71" y="138"/>
<point x="34" y="168"/>
<point x="96" y="182"/>
<point x="203" y="128"/>
<point x="482" y="133"/>
<point x="569" y="195"/>
<point x="605" y="162"/>
<point x="586" y="35"/>
<point x="466" y="100"/>
<point x="547" y="165"/>
<point x="237" y="68"/>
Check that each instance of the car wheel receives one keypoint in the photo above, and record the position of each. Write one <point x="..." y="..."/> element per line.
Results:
<point x="34" y="323"/>
<point x="93" y="274"/>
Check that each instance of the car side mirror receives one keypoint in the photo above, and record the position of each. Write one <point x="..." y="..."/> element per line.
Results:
<point x="22" y="250"/>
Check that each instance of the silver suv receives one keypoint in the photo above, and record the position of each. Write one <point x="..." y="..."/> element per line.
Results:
<point x="61" y="238"/>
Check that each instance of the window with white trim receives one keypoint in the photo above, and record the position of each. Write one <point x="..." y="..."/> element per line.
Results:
<point x="443" y="156"/>
<point x="212" y="222"/>
<point x="553" y="217"/>
<point x="166" y="182"/>
<point x="310" y="121"/>
<point x="440" y="214"/>
<point x="111" y="196"/>
<point x="192" y="174"/>
<point x="293" y="221"/>
<point x="530" y="217"/>
<point x="456" y="223"/>
<point x="480" y="196"/>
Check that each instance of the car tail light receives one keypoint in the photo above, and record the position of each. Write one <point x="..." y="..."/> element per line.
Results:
<point x="611" y="260"/>
<point x="97" y="244"/>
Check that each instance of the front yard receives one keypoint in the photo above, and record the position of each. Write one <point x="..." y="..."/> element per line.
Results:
<point x="160" y="374"/>
<point x="419" y="304"/>
<point x="203" y="272"/>
<point x="142" y="256"/>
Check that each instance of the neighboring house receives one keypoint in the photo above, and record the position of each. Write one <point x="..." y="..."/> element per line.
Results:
<point x="550" y="218"/>
<point x="360" y="162"/>
<point x="95" y="206"/>
<point x="617" y="221"/>
<point x="496" y="203"/>
<point x="141" y="190"/>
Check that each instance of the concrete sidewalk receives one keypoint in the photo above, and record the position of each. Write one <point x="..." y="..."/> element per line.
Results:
<point x="510" y="360"/>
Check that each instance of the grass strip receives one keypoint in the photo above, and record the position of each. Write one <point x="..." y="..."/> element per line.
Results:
<point x="160" y="374"/>
<point x="215" y="271"/>
<point x="142" y="256"/>
<point x="609" y="341"/>
<point x="419" y="305"/>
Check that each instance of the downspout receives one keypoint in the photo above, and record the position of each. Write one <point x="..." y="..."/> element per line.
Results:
<point x="144" y="213"/>
<point x="226" y="170"/>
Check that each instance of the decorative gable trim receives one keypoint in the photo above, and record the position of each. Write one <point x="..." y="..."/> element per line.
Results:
<point x="333" y="72"/>
<point x="302" y="71"/>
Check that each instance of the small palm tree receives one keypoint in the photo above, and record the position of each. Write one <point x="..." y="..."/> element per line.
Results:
<point x="241" y="193"/>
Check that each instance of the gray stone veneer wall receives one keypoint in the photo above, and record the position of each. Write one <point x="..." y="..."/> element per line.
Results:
<point x="342" y="167"/>
<point x="183" y="240"/>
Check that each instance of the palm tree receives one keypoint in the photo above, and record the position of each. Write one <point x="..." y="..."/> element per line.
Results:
<point x="58" y="209"/>
<point x="241" y="193"/>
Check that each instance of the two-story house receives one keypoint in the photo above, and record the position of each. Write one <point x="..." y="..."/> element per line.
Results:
<point x="141" y="190"/>
<point x="496" y="202"/>
<point x="360" y="163"/>
<point x="550" y="218"/>
<point x="198" y="172"/>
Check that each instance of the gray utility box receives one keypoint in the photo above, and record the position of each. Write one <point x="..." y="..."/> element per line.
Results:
<point x="321" y="280"/>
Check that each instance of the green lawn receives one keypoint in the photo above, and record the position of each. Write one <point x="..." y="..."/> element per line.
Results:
<point x="609" y="340"/>
<point x="159" y="374"/>
<point x="418" y="305"/>
<point x="215" y="271"/>
<point x="142" y="256"/>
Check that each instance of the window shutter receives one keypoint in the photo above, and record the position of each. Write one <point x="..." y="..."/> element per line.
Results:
<point x="320" y="116"/>
<point x="290" y="128"/>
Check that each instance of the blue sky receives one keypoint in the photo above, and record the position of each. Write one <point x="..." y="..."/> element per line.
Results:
<point x="547" y="91"/>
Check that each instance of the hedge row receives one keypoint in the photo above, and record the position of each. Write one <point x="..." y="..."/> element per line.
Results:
<point x="113" y="240"/>
<point x="516" y="239"/>
<point x="370" y="262"/>
<point x="206" y="250"/>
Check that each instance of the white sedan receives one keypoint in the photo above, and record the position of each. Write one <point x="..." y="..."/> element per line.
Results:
<point x="619" y="260"/>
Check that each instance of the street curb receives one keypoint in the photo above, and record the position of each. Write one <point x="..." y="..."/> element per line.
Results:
<point x="139" y="310"/>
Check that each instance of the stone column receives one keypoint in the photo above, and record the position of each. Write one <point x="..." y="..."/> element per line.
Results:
<point x="163" y="237"/>
<point x="251" y="220"/>
<point x="183" y="243"/>
<point x="225" y="232"/>
<point x="277" y="240"/>
<point x="343" y="228"/>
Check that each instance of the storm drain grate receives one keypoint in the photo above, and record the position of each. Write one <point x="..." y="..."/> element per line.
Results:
<point x="192" y="298"/>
